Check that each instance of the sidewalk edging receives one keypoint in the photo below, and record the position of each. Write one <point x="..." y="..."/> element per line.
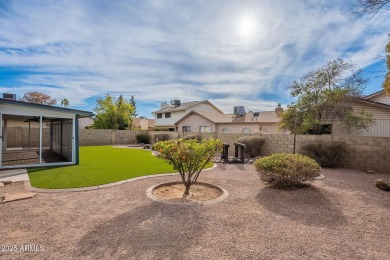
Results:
<point x="27" y="184"/>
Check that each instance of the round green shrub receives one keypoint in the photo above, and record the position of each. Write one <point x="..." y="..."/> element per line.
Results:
<point x="287" y="170"/>
<point x="143" y="138"/>
<point x="326" y="153"/>
<point x="253" y="145"/>
<point x="160" y="137"/>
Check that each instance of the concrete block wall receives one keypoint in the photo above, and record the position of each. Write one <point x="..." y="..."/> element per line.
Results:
<point x="95" y="137"/>
<point x="125" y="137"/>
<point x="367" y="153"/>
<point x="362" y="152"/>
<point x="231" y="138"/>
<point x="106" y="137"/>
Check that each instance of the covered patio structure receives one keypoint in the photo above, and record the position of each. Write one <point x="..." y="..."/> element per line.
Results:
<point x="38" y="135"/>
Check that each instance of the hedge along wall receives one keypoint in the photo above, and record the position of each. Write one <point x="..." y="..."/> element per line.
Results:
<point x="362" y="153"/>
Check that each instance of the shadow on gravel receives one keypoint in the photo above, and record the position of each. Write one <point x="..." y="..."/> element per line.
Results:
<point x="239" y="166"/>
<point x="153" y="231"/>
<point x="221" y="166"/>
<point x="308" y="205"/>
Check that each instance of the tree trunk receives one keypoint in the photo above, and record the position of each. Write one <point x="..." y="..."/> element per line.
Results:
<point x="187" y="190"/>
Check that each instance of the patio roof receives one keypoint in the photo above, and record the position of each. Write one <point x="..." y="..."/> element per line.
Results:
<point x="80" y="113"/>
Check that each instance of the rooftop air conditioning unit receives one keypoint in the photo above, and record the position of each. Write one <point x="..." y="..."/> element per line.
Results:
<point x="9" y="96"/>
<point x="239" y="110"/>
<point x="175" y="102"/>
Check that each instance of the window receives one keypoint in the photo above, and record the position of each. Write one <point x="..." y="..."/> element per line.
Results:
<point x="324" y="129"/>
<point x="226" y="130"/>
<point x="204" y="129"/>
<point x="159" y="115"/>
<point x="246" y="130"/>
<point x="186" y="128"/>
<point x="167" y="115"/>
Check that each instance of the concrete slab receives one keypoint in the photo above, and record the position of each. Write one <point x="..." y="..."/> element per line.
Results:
<point x="13" y="172"/>
<point x="15" y="178"/>
<point x="18" y="196"/>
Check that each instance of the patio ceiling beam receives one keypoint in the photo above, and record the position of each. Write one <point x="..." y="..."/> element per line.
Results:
<point x="1" y="139"/>
<point x="40" y="139"/>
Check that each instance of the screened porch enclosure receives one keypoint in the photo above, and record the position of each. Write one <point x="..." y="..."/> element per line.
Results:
<point x="36" y="140"/>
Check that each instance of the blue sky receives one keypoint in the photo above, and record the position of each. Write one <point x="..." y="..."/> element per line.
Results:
<point x="229" y="52"/>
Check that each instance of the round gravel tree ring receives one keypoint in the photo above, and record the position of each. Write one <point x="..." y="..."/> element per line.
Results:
<point x="178" y="201"/>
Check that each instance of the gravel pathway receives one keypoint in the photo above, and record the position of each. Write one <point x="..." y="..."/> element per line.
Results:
<point x="341" y="217"/>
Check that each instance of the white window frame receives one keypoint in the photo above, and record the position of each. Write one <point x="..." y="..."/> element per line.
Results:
<point x="203" y="129"/>
<point x="186" y="127"/>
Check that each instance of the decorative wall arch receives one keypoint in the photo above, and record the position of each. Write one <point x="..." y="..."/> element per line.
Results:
<point x="226" y="130"/>
<point x="246" y="130"/>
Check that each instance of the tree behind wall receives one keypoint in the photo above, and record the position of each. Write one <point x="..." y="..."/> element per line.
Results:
<point x="324" y="96"/>
<point x="38" y="98"/>
<point x="371" y="6"/>
<point x="65" y="102"/>
<point x="133" y="103"/>
<point x="386" y="83"/>
<point x="112" y="113"/>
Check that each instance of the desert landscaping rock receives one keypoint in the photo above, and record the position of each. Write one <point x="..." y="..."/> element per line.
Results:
<point x="200" y="193"/>
<point x="7" y="182"/>
<point x="341" y="217"/>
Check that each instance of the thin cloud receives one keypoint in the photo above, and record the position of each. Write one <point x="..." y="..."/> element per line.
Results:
<point x="189" y="50"/>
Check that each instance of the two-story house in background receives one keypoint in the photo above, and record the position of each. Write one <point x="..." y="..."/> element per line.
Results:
<point x="239" y="121"/>
<point x="203" y="116"/>
<point x="169" y="114"/>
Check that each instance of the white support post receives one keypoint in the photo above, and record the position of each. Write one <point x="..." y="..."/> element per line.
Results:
<point x="40" y="139"/>
<point x="74" y="139"/>
<point x="1" y="143"/>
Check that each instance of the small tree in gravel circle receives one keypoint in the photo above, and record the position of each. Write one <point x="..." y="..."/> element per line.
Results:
<point x="188" y="157"/>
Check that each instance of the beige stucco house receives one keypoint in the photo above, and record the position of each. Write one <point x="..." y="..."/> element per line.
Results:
<point x="261" y="122"/>
<point x="143" y="123"/>
<point x="168" y="115"/>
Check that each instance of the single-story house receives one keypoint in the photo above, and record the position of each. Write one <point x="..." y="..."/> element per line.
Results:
<point x="142" y="123"/>
<point x="57" y="134"/>
<point x="379" y="97"/>
<point x="378" y="105"/>
<point x="260" y="122"/>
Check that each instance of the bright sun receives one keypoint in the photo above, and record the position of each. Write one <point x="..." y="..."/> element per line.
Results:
<point x="247" y="27"/>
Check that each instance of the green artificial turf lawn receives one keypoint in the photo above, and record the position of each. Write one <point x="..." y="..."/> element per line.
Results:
<point x="99" y="165"/>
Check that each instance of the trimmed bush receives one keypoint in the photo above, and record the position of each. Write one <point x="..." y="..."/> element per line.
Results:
<point x="160" y="137"/>
<point x="253" y="145"/>
<point x="143" y="138"/>
<point x="326" y="153"/>
<point x="188" y="157"/>
<point x="287" y="170"/>
<point x="191" y="137"/>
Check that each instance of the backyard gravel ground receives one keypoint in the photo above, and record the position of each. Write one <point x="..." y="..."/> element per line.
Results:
<point x="341" y="217"/>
